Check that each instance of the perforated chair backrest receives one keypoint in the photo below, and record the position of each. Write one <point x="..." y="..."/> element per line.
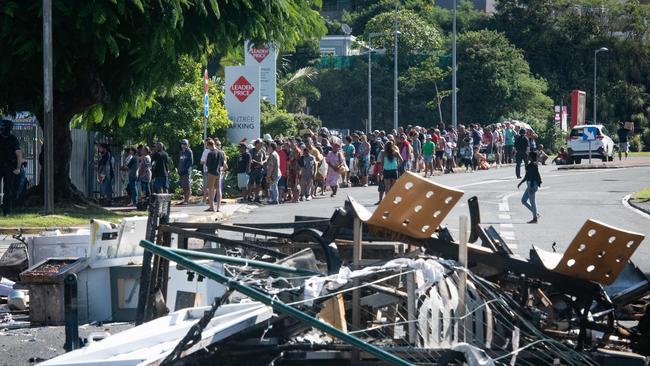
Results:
<point x="598" y="252"/>
<point x="415" y="206"/>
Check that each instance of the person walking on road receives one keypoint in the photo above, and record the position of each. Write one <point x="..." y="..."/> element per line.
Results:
<point x="185" y="163"/>
<point x="533" y="181"/>
<point x="623" y="141"/>
<point x="521" y="148"/>
<point x="10" y="161"/>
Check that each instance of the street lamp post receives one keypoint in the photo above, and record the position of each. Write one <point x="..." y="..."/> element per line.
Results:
<point x="370" y="37"/>
<point x="395" y="98"/>
<point x="48" y="114"/>
<point x="454" y="100"/>
<point x="602" y="49"/>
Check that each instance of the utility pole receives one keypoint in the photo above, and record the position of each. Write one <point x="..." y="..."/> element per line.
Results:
<point x="370" y="37"/>
<point x="395" y="90"/>
<point x="454" y="100"/>
<point x="48" y="176"/>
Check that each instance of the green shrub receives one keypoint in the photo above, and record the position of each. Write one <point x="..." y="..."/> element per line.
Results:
<point x="646" y="137"/>
<point x="636" y="143"/>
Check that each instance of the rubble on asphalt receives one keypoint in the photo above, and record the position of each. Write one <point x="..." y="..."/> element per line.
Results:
<point x="391" y="286"/>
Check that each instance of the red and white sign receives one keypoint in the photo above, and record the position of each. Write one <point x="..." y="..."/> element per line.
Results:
<point x="264" y="57"/>
<point x="241" y="89"/>
<point x="206" y="79"/>
<point x="259" y="54"/>
<point x="242" y="100"/>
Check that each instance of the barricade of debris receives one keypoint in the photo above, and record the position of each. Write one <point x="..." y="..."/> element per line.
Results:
<point x="392" y="286"/>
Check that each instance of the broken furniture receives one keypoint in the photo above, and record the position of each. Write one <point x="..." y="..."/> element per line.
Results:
<point x="405" y="308"/>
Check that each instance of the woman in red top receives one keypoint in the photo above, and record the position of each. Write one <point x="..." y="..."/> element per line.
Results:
<point x="488" y="140"/>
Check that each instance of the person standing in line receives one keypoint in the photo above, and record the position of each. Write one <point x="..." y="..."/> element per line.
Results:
<point x="427" y="152"/>
<point x="144" y="172"/>
<point x="105" y="172"/>
<point x="307" y="164"/>
<point x="222" y="170"/>
<point x="533" y="181"/>
<point x="204" y="168"/>
<point x="335" y="161"/>
<point x="363" y="160"/>
<point x="498" y="142"/>
<point x="160" y="169"/>
<point x="623" y="141"/>
<point x="11" y="158"/>
<point x="185" y="163"/>
<point x="441" y="143"/>
<point x="273" y="173"/>
<point x="283" y="184"/>
<point x="509" y="135"/>
<point x="417" y="151"/>
<point x="521" y="148"/>
<point x="406" y="152"/>
<point x="132" y="174"/>
<point x="243" y="168"/>
<point x="293" y="171"/>
<point x="390" y="159"/>
<point x="349" y="151"/>
<point x="258" y="159"/>
<point x="213" y="162"/>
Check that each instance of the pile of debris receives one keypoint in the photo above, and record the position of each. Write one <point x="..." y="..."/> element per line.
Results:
<point x="392" y="286"/>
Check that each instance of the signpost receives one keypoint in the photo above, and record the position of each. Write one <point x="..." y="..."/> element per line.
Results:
<point x="263" y="57"/>
<point x="242" y="99"/>
<point x="206" y="106"/>
<point x="589" y="134"/>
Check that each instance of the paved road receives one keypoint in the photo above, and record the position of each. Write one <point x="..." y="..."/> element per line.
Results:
<point x="566" y="200"/>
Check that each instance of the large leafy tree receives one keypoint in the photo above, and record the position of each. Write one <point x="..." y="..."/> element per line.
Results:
<point x="111" y="57"/>
<point x="177" y="113"/>
<point x="558" y="38"/>
<point x="495" y="81"/>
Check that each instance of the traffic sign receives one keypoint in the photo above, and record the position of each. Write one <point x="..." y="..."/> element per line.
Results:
<point x="589" y="133"/>
<point x="206" y="105"/>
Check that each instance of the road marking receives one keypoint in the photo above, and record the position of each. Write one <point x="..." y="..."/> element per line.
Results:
<point x="504" y="217"/>
<point x="483" y="182"/>
<point x="627" y="204"/>
<point x="508" y="226"/>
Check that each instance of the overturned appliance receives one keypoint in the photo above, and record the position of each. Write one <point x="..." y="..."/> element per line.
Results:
<point x="385" y="286"/>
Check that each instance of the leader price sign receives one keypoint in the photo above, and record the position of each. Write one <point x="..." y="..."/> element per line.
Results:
<point x="265" y="57"/>
<point x="242" y="97"/>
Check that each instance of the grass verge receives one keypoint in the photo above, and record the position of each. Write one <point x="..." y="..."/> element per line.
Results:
<point x="64" y="216"/>
<point x="644" y="154"/>
<point x="643" y="195"/>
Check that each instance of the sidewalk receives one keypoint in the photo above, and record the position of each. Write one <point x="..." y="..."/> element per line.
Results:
<point x="631" y="162"/>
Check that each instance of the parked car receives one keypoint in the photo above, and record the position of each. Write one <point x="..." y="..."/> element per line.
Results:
<point x="601" y="148"/>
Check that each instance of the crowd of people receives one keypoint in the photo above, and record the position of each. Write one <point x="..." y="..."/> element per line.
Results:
<point x="298" y="168"/>
<point x="293" y="169"/>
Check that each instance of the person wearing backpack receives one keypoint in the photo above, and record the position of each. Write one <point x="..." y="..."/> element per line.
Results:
<point x="10" y="161"/>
